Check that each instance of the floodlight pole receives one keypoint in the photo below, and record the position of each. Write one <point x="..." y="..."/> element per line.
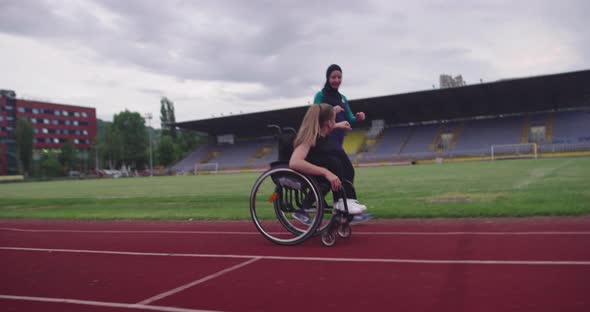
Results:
<point x="148" y="116"/>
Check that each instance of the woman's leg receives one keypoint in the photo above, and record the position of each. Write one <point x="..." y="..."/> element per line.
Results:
<point x="347" y="168"/>
<point x="347" y="173"/>
<point x="334" y="164"/>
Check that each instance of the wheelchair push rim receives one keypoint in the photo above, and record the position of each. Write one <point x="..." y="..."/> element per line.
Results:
<point x="275" y="202"/>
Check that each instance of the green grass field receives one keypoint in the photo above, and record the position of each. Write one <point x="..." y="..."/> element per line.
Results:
<point x="541" y="187"/>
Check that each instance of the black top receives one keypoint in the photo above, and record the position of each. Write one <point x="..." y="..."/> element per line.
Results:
<point x="323" y="147"/>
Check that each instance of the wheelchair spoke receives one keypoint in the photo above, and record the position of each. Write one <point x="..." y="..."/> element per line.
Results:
<point x="285" y="206"/>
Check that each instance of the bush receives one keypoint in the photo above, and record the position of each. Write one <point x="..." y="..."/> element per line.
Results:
<point x="50" y="167"/>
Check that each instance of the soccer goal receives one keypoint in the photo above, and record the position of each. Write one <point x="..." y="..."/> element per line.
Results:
<point x="207" y="168"/>
<point x="505" y="151"/>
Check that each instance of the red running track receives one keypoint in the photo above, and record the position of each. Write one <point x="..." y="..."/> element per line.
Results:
<point x="533" y="264"/>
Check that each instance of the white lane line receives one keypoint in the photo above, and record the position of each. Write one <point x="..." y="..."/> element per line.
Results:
<point x="477" y="233"/>
<point x="401" y="233"/>
<point x="328" y="259"/>
<point x="101" y="304"/>
<point x="128" y="253"/>
<point x="132" y="231"/>
<point x="197" y="282"/>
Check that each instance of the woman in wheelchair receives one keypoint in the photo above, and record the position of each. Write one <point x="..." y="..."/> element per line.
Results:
<point x="317" y="156"/>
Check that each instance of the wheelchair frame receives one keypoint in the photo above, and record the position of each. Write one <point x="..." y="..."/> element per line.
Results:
<point x="289" y="197"/>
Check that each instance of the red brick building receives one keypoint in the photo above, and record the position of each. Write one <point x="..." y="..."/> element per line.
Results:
<point x="53" y="124"/>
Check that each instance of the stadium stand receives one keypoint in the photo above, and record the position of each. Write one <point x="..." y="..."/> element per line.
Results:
<point x="481" y="134"/>
<point x="552" y="111"/>
<point x="265" y="155"/>
<point x="188" y="163"/>
<point x="239" y="154"/>
<point x="353" y="141"/>
<point x="469" y="138"/>
<point x="420" y="139"/>
<point x="391" y="142"/>
<point x="571" y="127"/>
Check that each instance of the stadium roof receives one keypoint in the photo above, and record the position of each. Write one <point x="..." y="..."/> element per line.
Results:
<point x="539" y="93"/>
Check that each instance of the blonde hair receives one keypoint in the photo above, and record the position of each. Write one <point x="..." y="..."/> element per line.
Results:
<point x="312" y="122"/>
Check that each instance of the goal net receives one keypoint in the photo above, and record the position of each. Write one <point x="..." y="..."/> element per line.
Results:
<point x="207" y="168"/>
<point x="506" y="151"/>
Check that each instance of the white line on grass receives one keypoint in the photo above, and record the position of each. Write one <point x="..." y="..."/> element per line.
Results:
<point x="409" y="233"/>
<point x="101" y="303"/>
<point x="327" y="259"/>
<point x="197" y="282"/>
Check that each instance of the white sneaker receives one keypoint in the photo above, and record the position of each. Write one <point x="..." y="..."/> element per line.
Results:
<point x="353" y="206"/>
<point x="354" y="202"/>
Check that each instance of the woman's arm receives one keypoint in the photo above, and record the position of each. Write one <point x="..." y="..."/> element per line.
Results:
<point x="298" y="163"/>
<point x="348" y="112"/>
<point x="343" y="125"/>
<point x="352" y="118"/>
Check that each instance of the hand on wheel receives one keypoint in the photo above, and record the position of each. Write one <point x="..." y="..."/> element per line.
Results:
<point x="334" y="181"/>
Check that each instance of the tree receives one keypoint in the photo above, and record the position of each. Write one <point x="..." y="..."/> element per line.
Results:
<point x="50" y="167"/>
<point x="94" y="153"/>
<point x="183" y="142"/>
<point x="111" y="146"/>
<point x="68" y="156"/>
<point x="164" y="117"/>
<point x="134" y="141"/>
<point x="100" y="147"/>
<point x="167" y="117"/>
<point x="24" y="144"/>
<point x="166" y="150"/>
<point x="186" y="142"/>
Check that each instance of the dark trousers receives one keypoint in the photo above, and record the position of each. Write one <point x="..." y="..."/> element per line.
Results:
<point x="347" y="168"/>
<point x="339" y="164"/>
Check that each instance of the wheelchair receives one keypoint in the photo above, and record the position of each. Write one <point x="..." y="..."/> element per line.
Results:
<point x="280" y="196"/>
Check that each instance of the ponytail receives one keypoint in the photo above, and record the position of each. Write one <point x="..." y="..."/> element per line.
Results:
<point x="310" y="126"/>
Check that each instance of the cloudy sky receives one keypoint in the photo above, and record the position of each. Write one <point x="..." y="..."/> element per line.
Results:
<point x="216" y="57"/>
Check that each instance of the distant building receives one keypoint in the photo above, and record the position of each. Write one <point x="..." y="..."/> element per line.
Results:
<point x="53" y="125"/>
<point x="448" y="81"/>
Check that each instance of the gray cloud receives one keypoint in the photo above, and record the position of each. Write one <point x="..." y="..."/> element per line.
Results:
<point x="285" y="46"/>
<point x="253" y="41"/>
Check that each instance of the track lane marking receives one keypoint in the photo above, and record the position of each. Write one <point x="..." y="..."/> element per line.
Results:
<point x="197" y="282"/>
<point x="323" y="259"/>
<point x="401" y="233"/>
<point x="101" y="303"/>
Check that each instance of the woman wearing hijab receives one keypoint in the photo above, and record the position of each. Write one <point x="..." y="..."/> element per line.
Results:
<point x="344" y="119"/>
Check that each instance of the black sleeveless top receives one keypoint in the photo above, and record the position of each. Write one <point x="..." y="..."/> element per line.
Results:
<point x="323" y="147"/>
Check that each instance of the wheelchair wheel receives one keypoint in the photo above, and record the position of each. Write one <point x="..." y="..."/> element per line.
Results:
<point x="294" y="227"/>
<point x="344" y="230"/>
<point x="328" y="238"/>
<point x="286" y="206"/>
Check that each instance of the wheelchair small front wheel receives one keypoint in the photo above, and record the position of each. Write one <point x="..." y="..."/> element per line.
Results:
<point x="344" y="230"/>
<point x="328" y="238"/>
